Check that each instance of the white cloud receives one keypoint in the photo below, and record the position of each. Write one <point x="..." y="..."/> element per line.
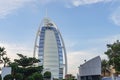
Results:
<point x="115" y="17"/>
<point x="8" y="6"/>
<point x="13" y="49"/>
<point x="77" y="3"/>
<point x="74" y="3"/>
<point x="46" y="1"/>
<point x="70" y="44"/>
<point x="106" y="40"/>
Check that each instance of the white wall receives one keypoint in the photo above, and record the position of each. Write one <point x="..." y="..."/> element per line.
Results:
<point x="5" y="71"/>
<point x="51" y="57"/>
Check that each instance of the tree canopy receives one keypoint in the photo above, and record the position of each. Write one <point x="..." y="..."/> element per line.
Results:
<point x="3" y="57"/>
<point x="113" y="54"/>
<point x="25" y="61"/>
<point x="47" y="75"/>
<point x="24" y="66"/>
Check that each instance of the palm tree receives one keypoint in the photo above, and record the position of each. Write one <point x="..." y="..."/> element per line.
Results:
<point x="2" y="53"/>
<point x="6" y="60"/>
<point x="104" y="66"/>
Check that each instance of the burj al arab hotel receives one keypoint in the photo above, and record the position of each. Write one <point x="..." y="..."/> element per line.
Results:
<point x="50" y="49"/>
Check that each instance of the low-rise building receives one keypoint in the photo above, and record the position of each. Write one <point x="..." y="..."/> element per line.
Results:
<point x="90" y="70"/>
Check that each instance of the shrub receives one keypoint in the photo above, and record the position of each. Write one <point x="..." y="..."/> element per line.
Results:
<point x="30" y="78"/>
<point x="18" y="76"/>
<point x="0" y="77"/>
<point x="47" y="75"/>
<point x="8" y="77"/>
<point x="37" y="76"/>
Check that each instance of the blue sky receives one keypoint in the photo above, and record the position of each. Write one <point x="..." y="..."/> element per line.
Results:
<point x="86" y="26"/>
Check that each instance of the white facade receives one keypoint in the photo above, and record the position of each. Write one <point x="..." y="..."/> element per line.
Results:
<point x="51" y="57"/>
<point x="51" y="49"/>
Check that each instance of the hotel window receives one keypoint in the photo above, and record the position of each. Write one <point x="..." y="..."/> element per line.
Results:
<point x="61" y="62"/>
<point x="60" y="55"/>
<point x="40" y="55"/>
<point x="60" y="51"/>
<point x="61" y="58"/>
<point x="41" y="51"/>
<point x="41" y="43"/>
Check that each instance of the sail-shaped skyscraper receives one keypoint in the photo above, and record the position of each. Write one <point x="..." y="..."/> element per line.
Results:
<point x="50" y="48"/>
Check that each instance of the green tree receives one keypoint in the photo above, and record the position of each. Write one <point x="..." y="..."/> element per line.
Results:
<point x="8" y="77"/>
<point x="14" y="67"/>
<point x="6" y="60"/>
<point x="18" y="76"/>
<point x="24" y="61"/>
<point x="0" y="77"/>
<point x="113" y="53"/>
<point x="2" y="53"/>
<point x="24" y="65"/>
<point x="3" y="59"/>
<point x="30" y="78"/>
<point x="47" y="75"/>
<point x="31" y="70"/>
<point x="104" y="66"/>
<point x="37" y="76"/>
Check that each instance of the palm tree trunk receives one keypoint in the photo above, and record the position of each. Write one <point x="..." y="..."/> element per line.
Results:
<point x="4" y="64"/>
<point x="104" y="72"/>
